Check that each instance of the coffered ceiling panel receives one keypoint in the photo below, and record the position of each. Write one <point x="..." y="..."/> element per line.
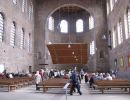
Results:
<point x="68" y="53"/>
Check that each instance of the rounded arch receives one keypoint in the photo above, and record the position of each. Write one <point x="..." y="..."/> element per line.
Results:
<point x="64" y="5"/>
<point x="53" y="10"/>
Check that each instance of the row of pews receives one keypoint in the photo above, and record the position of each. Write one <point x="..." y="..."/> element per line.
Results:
<point x="15" y="83"/>
<point x="53" y="83"/>
<point x="115" y="83"/>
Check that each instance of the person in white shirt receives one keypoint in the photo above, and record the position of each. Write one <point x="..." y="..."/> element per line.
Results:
<point x="108" y="77"/>
<point x="37" y="79"/>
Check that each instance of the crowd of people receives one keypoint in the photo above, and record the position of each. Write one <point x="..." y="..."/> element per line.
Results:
<point x="99" y="76"/>
<point x="74" y="76"/>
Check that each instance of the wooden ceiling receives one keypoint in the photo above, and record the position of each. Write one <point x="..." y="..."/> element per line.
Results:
<point x="63" y="54"/>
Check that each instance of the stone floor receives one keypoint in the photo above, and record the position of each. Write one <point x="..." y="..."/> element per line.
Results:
<point x="29" y="93"/>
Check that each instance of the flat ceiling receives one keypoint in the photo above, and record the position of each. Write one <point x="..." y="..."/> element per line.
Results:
<point x="68" y="53"/>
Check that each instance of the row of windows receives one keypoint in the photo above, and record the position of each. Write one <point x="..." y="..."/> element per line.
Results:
<point x="13" y="34"/>
<point x="117" y="33"/>
<point x="63" y="25"/>
<point x="1" y="27"/>
<point x="92" y="48"/>
<point x="25" y="6"/>
<point x="110" y="5"/>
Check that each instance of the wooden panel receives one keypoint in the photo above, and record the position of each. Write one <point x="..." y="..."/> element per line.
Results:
<point x="61" y="54"/>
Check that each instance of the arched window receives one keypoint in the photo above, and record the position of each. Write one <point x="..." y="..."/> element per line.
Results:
<point x="108" y="7"/>
<point x="79" y="25"/>
<point x="29" y="42"/>
<point x="51" y="23"/>
<point x="14" y="1"/>
<point x="110" y="39"/>
<point x="13" y="34"/>
<point x="92" y="48"/>
<point x="111" y="4"/>
<point x="114" y="37"/>
<point x="22" y="38"/>
<point x="23" y="5"/>
<point x="127" y="26"/>
<point x="1" y="27"/>
<point x="120" y="34"/>
<point x="91" y="22"/>
<point x="30" y="11"/>
<point x="64" y="26"/>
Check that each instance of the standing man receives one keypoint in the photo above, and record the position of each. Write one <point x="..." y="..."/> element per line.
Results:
<point x="75" y="83"/>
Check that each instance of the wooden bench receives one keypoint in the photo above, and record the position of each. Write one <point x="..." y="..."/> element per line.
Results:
<point x="108" y="84"/>
<point x="54" y="83"/>
<point x="14" y="83"/>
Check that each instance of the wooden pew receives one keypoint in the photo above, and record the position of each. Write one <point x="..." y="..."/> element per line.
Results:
<point x="108" y="84"/>
<point x="14" y="83"/>
<point x="54" y="83"/>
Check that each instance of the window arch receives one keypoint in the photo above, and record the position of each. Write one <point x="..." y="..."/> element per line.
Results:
<point x="22" y="38"/>
<point x="51" y="23"/>
<point x="92" y="48"/>
<point x="23" y="6"/>
<point x="91" y="22"/>
<point x="108" y="7"/>
<point x="79" y="25"/>
<point x="1" y="27"/>
<point x="114" y="37"/>
<point x="127" y="26"/>
<point x="13" y="34"/>
<point x="30" y="11"/>
<point x="64" y="26"/>
<point x="29" y="42"/>
<point x="111" y="4"/>
<point x="109" y="39"/>
<point x="120" y="33"/>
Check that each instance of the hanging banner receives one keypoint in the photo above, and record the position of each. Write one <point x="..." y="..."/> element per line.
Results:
<point x="128" y="60"/>
<point x="122" y="63"/>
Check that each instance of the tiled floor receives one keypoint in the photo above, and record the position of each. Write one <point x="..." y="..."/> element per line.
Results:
<point x="29" y="93"/>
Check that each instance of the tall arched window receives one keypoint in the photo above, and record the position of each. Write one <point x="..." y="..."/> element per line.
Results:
<point x="29" y="42"/>
<point x="1" y="27"/>
<point x="64" y="26"/>
<point x="114" y="37"/>
<point x="111" y="4"/>
<point x="120" y="34"/>
<point x="51" y="23"/>
<point x="91" y="22"/>
<point x="13" y="34"/>
<point x="108" y="7"/>
<point x="92" y="48"/>
<point x="23" y="5"/>
<point x="110" y="39"/>
<point x="30" y="11"/>
<point x="128" y="21"/>
<point x="22" y="38"/>
<point x="79" y="25"/>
